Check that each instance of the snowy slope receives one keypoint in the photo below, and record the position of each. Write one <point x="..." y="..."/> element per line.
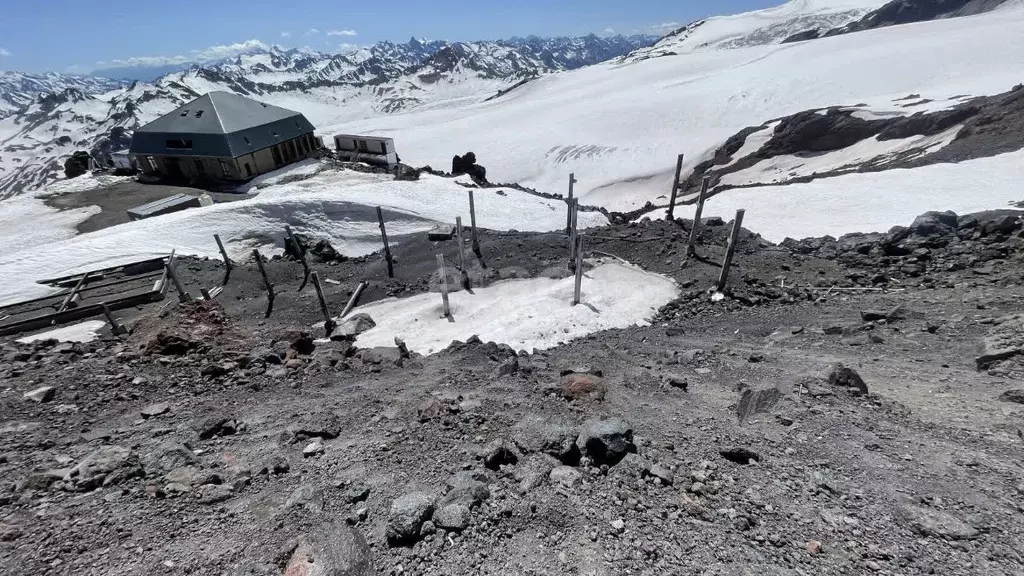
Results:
<point x="20" y="89"/>
<point x="340" y="205"/>
<point x="619" y="127"/>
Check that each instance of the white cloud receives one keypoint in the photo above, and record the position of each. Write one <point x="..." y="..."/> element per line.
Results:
<point x="664" y="28"/>
<point x="312" y="32"/>
<point x="345" y="48"/>
<point x="285" y="34"/>
<point x="342" y="33"/>
<point x="4" y="52"/>
<point x="204" y="55"/>
<point x="609" y="30"/>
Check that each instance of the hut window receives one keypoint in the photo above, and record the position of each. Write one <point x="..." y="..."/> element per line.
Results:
<point x="225" y="168"/>
<point x="185" y="112"/>
<point x="179" y="144"/>
<point x="199" y="114"/>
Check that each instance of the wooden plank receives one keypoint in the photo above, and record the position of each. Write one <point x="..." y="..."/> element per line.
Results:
<point x="695" y="230"/>
<point x="74" y="314"/>
<point x="183" y="296"/>
<point x="115" y="326"/>
<point x="675" y="189"/>
<point x="568" y="203"/>
<point x="301" y="250"/>
<point x="444" y="285"/>
<point x="329" y="324"/>
<point x="384" y="237"/>
<point x="228" y="265"/>
<point x="266" y="281"/>
<point x="472" y="222"/>
<point x="731" y="249"/>
<point x="579" y="271"/>
<point x="352" y="301"/>
<point x="462" y="252"/>
<point x="572" y="232"/>
<point x="74" y="291"/>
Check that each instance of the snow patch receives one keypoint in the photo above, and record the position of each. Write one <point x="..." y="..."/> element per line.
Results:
<point x="83" y="332"/>
<point x="533" y="314"/>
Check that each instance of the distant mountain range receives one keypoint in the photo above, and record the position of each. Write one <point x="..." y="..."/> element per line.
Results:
<point x="44" y="118"/>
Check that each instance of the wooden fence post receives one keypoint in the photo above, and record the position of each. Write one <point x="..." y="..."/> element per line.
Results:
<point x="266" y="280"/>
<point x="573" y="232"/>
<point x="329" y="323"/>
<point x="74" y="292"/>
<point x="352" y="301"/>
<point x="675" y="189"/>
<point x="115" y="326"/>
<point x="387" y="248"/>
<point x="224" y="253"/>
<point x="183" y="296"/>
<point x="472" y="222"/>
<point x="301" y="250"/>
<point x="462" y="252"/>
<point x="695" y="230"/>
<point x="444" y="285"/>
<point x="579" y="271"/>
<point x="733" y="240"/>
<point x="568" y="213"/>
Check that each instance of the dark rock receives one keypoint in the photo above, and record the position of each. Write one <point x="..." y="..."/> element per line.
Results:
<point x="508" y="367"/>
<point x="352" y="327"/>
<point x="357" y="494"/>
<point x="155" y="409"/>
<point x="539" y="434"/>
<point x="676" y="381"/>
<point x="466" y="164"/>
<point x="740" y="455"/>
<point x="167" y="344"/>
<point x="213" y="493"/>
<point x="331" y="549"/>
<point x="454" y="517"/>
<point x="753" y="402"/>
<point x="606" y="441"/>
<point x="1016" y="396"/>
<point x="633" y="465"/>
<point x="77" y="164"/>
<point x="306" y="496"/>
<point x="582" y="387"/>
<point x="322" y="424"/>
<point x="663" y="473"/>
<point x="218" y="426"/>
<point x="467" y="488"/>
<point x="106" y="466"/>
<point x="167" y="456"/>
<point x="434" y="408"/>
<point x="406" y="518"/>
<point x="301" y="342"/>
<point x="932" y="223"/>
<point x="404" y="172"/>
<point x="498" y="453"/>
<point x="843" y="377"/>
<point x="938" y="524"/>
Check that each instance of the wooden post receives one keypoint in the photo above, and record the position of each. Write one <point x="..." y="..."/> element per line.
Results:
<point x="579" y="271"/>
<point x="574" y="206"/>
<point x="329" y="323"/>
<point x="733" y="239"/>
<point x="224" y="253"/>
<point x="266" y="280"/>
<point x="352" y="301"/>
<point x="115" y="326"/>
<point x="472" y="222"/>
<point x="387" y="248"/>
<point x="165" y="277"/>
<point x="462" y="252"/>
<point x="444" y="285"/>
<point x="74" y="292"/>
<point x="302" y="255"/>
<point x="182" y="294"/>
<point x="695" y="230"/>
<point x="675" y="189"/>
<point x="568" y="213"/>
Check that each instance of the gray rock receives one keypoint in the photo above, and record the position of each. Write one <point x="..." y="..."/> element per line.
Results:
<point x="453" y="517"/>
<point x="843" y="377"/>
<point x="507" y="368"/>
<point x="606" y="441"/>
<point x="41" y="394"/>
<point x="1016" y="396"/>
<point x="753" y="402"/>
<point x="498" y="453"/>
<point x="663" y="473"/>
<point x="357" y="494"/>
<point x="105" y="466"/>
<point x="322" y="424"/>
<point x="155" y="409"/>
<point x="938" y="524"/>
<point x="633" y="465"/>
<point x="213" y="493"/>
<point x="467" y="488"/>
<point x="332" y="549"/>
<point x="306" y="496"/>
<point x="537" y="434"/>
<point x="565" y="475"/>
<point x="353" y="326"/>
<point x="167" y="456"/>
<point x="406" y="518"/>
<point x="313" y="448"/>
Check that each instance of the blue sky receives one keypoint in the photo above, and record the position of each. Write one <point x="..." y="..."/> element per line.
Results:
<point x="69" y="36"/>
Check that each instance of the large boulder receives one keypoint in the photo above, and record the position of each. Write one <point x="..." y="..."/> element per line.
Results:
<point x="406" y="518"/>
<point x="332" y="549"/>
<point x="105" y="466"/>
<point x="353" y="326"/>
<point x="466" y="164"/>
<point x="76" y="165"/>
<point x="606" y="441"/>
<point x="843" y="377"/>
<point x="935" y="223"/>
<point x="539" y="434"/>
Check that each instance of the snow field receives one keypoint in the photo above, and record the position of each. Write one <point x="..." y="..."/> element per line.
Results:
<point x="532" y="314"/>
<point x="339" y="205"/>
<point x="82" y="332"/>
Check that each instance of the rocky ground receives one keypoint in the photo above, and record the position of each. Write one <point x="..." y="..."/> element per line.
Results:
<point x="851" y="406"/>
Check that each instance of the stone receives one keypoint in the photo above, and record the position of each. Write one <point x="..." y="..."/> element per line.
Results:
<point x="213" y="493"/>
<point x="106" y="466"/>
<point x="167" y="456"/>
<point x="663" y="474"/>
<point x="467" y="488"/>
<point x="1016" y="396"/>
<point x="582" y="387"/>
<point x="938" y="524"/>
<point x="842" y="377"/>
<point x="633" y="465"/>
<point x="536" y="433"/>
<point x="565" y="475"/>
<point x="155" y="409"/>
<point x="322" y="424"/>
<point x="754" y="402"/>
<point x="306" y="496"/>
<point x="351" y="327"/>
<point x="740" y="455"/>
<point x="9" y="532"/>
<point x="218" y="426"/>
<point x="331" y="549"/>
<point x="432" y="408"/>
<point x="497" y="453"/>
<point x="406" y="518"/>
<point x="41" y="394"/>
<point x="314" y="448"/>
<point x="618" y="525"/>
<point x="455" y="517"/>
<point x="357" y="494"/>
<point x="507" y="368"/>
<point x="813" y="547"/>
<point x="676" y="381"/>
<point x="606" y="441"/>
